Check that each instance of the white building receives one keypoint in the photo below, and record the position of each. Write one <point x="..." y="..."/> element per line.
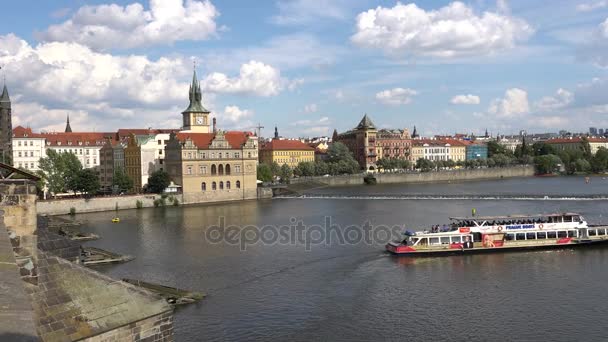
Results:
<point x="28" y="148"/>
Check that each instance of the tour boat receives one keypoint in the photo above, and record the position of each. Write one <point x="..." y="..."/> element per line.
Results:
<point x="501" y="233"/>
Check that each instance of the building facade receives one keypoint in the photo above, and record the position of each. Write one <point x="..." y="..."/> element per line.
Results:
<point x="430" y="149"/>
<point x="564" y="144"/>
<point x="361" y="141"/>
<point x="210" y="167"/>
<point x="290" y="152"/>
<point x="28" y="148"/>
<point x="477" y="151"/>
<point x="395" y="144"/>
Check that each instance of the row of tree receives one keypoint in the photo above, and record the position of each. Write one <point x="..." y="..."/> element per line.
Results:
<point x="63" y="172"/>
<point x="547" y="159"/>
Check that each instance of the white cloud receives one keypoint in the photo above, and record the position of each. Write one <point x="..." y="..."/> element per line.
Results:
<point x="513" y="105"/>
<point x="594" y="48"/>
<point x="114" y="26"/>
<point x="298" y="12"/>
<point x="465" y="99"/>
<point x="451" y="31"/>
<point x="561" y="99"/>
<point x="396" y="96"/>
<point x="310" y="108"/>
<point x="320" y="126"/>
<point x="587" y="7"/>
<point x="550" y="122"/>
<point x="339" y="95"/>
<point x="234" y="114"/>
<point x="255" y="78"/>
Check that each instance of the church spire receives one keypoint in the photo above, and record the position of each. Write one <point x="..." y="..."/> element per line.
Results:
<point x="415" y="133"/>
<point x="68" y="129"/>
<point x="4" y="98"/>
<point x="195" y="96"/>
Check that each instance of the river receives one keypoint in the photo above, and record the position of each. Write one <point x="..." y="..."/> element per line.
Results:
<point x="343" y="291"/>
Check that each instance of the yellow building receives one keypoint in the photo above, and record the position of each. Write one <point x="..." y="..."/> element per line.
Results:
<point x="290" y="152"/>
<point x="457" y="150"/>
<point x="212" y="167"/>
<point x="576" y="143"/>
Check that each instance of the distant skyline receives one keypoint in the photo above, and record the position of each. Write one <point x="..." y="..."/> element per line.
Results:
<point x="309" y="66"/>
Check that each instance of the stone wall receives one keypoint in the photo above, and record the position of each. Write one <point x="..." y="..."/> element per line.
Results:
<point x="264" y="193"/>
<point x="426" y="177"/>
<point x="211" y="196"/>
<point x="155" y="328"/>
<point x="81" y="205"/>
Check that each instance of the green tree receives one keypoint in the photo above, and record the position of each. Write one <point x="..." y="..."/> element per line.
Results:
<point x="599" y="162"/>
<point x="541" y="148"/>
<point x="425" y="165"/>
<point x="285" y="173"/>
<point x="495" y="148"/>
<point x="264" y="172"/>
<point x="122" y="181"/>
<point x="60" y="171"/>
<point x="306" y="169"/>
<point x="321" y="168"/>
<point x="87" y="182"/>
<point x="338" y="151"/>
<point x="582" y="165"/>
<point x="502" y="160"/>
<point x="547" y="164"/>
<point x="158" y="181"/>
<point x="586" y="147"/>
<point x="275" y="169"/>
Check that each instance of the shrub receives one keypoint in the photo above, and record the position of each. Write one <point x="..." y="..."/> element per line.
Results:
<point x="72" y="211"/>
<point x="139" y="204"/>
<point x="157" y="203"/>
<point x="175" y="201"/>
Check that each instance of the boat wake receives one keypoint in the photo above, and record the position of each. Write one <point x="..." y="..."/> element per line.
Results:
<point x="452" y="197"/>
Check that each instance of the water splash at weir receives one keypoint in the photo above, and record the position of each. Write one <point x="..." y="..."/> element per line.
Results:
<point x="451" y="197"/>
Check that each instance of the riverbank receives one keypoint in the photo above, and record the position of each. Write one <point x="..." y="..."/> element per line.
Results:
<point x="419" y="177"/>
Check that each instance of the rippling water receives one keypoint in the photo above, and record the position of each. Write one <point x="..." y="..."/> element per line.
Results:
<point x="357" y="292"/>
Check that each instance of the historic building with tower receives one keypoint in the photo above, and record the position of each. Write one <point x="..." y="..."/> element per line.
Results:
<point x="207" y="163"/>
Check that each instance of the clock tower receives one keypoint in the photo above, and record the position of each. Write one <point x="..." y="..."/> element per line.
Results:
<point x="196" y="117"/>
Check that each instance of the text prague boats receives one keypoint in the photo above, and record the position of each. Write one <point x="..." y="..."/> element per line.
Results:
<point x="478" y="234"/>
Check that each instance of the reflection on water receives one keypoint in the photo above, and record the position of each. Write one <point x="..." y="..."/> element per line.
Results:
<point x="357" y="292"/>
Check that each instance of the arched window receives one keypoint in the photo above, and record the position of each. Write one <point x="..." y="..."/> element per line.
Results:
<point x="221" y="185"/>
<point x="220" y="169"/>
<point x="228" y="185"/>
<point x="238" y="184"/>
<point x="214" y="186"/>
<point x="204" y="186"/>
<point x="227" y="169"/>
<point x="213" y="169"/>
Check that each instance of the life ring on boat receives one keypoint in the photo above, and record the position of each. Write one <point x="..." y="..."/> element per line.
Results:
<point x="499" y="229"/>
<point x="540" y="226"/>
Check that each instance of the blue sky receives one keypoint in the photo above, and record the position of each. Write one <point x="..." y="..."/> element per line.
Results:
<point x="309" y="66"/>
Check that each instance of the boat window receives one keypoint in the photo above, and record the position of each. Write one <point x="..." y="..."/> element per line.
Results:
<point x="592" y="232"/>
<point x="551" y="235"/>
<point x="567" y="218"/>
<point x="433" y="241"/>
<point x="445" y="240"/>
<point x="572" y="233"/>
<point x="576" y="218"/>
<point x="562" y="234"/>
<point x="531" y="236"/>
<point x="455" y="239"/>
<point x="541" y="235"/>
<point x="509" y="237"/>
<point x="520" y="236"/>
<point x="601" y="232"/>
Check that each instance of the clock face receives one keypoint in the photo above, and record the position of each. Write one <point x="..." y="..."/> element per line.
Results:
<point x="199" y="121"/>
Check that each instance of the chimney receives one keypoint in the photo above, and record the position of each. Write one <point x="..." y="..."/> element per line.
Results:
<point x="214" y="128"/>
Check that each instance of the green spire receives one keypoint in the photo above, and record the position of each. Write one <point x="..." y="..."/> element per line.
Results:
<point x="195" y="96"/>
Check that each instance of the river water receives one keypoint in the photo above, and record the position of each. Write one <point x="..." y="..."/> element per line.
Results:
<point x="343" y="291"/>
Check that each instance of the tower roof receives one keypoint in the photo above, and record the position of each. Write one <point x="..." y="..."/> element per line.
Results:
<point x="68" y="129"/>
<point x="195" y="95"/>
<point x="366" y="123"/>
<point x="4" y="97"/>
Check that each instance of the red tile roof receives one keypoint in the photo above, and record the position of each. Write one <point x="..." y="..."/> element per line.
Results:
<point x="236" y="139"/>
<point x="74" y="139"/>
<point x="22" y="132"/>
<point x="278" y="144"/>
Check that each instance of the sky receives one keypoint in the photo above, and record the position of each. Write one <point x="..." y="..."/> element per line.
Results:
<point x="309" y="66"/>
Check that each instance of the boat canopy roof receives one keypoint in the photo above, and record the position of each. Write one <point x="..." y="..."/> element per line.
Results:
<point x="510" y="217"/>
